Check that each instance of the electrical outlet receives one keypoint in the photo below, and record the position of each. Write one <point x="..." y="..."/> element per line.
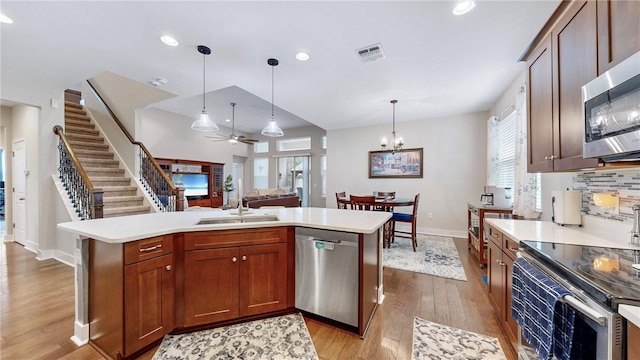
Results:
<point x="430" y="215"/>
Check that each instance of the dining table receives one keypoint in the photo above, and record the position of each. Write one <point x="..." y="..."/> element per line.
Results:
<point x="386" y="204"/>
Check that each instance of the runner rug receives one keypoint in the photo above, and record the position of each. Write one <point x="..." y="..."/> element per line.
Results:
<point x="435" y="255"/>
<point x="283" y="337"/>
<point x="435" y="341"/>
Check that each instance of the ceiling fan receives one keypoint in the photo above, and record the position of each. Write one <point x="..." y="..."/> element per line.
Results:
<point x="233" y="138"/>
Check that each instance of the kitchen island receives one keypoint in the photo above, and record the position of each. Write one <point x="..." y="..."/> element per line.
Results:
<point x="140" y="277"/>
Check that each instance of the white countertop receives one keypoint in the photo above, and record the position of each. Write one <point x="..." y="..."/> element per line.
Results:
<point x="546" y="231"/>
<point x="631" y="313"/>
<point x="135" y="227"/>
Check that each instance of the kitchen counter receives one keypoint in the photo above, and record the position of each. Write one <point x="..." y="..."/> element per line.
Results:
<point x="481" y="205"/>
<point x="631" y="313"/>
<point x="546" y="231"/>
<point x="111" y="239"/>
<point x="135" y="227"/>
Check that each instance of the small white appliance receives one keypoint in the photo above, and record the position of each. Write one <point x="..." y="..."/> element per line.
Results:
<point x="565" y="206"/>
<point x="500" y="197"/>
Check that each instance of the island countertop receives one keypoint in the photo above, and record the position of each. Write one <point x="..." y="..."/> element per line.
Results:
<point x="135" y="227"/>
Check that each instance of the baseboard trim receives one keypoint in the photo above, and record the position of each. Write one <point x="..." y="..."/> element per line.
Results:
<point x="80" y="334"/>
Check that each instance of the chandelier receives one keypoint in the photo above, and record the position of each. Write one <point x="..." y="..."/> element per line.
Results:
<point x="396" y="140"/>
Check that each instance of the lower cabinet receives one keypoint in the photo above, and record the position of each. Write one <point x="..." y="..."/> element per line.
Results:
<point x="232" y="274"/>
<point x="131" y="294"/>
<point x="633" y="341"/>
<point x="227" y="283"/>
<point x="500" y="258"/>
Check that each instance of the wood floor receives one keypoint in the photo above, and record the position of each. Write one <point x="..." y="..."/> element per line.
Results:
<point x="37" y="311"/>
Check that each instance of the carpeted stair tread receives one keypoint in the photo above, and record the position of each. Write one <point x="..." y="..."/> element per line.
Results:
<point x="90" y="162"/>
<point x="103" y="172"/>
<point x="122" y="201"/>
<point x="126" y="210"/>
<point x="85" y="138"/>
<point x="124" y="190"/>
<point x="78" y="116"/>
<point x="89" y="153"/>
<point x="79" y="123"/>
<point x="87" y="145"/>
<point x="72" y="105"/>
<point x="103" y="181"/>
<point x="79" y="130"/>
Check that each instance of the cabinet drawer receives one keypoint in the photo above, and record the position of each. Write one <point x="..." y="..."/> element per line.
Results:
<point x="200" y="202"/>
<point x="510" y="247"/>
<point x="148" y="248"/>
<point x="240" y="237"/>
<point x="495" y="236"/>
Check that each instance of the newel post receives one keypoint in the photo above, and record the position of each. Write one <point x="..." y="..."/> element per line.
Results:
<point x="98" y="205"/>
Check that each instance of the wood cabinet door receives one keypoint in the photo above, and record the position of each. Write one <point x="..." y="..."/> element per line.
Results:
<point x="148" y="302"/>
<point x="511" y="324"/>
<point x="263" y="278"/>
<point x="540" y="106"/>
<point x="495" y="278"/>
<point x="210" y="286"/>
<point x="618" y="31"/>
<point x="633" y="341"/>
<point x="575" y="63"/>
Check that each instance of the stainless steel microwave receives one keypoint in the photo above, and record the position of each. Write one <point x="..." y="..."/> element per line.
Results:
<point x="611" y="113"/>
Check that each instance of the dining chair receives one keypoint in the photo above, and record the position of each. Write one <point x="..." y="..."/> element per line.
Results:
<point x="340" y="196"/>
<point x="384" y="195"/>
<point x="366" y="202"/>
<point x="406" y="218"/>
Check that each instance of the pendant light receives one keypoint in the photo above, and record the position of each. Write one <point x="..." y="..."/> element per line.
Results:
<point x="396" y="140"/>
<point x="272" y="129"/>
<point x="204" y="123"/>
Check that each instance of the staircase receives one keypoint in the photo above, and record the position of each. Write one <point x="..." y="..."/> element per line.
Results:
<point x="120" y="197"/>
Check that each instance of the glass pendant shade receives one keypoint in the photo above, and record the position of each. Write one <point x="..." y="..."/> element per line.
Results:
<point x="204" y="123"/>
<point x="272" y="129"/>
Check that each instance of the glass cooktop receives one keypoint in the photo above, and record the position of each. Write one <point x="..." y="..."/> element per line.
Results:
<point x="606" y="274"/>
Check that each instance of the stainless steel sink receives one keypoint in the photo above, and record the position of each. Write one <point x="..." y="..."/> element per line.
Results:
<point x="238" y="219"/>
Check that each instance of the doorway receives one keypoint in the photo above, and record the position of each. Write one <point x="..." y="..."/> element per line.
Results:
<point x="3" y="226"/>
<point x="19" y="180"/>
<point x="293" y="176"/>
<point x="237" y="172"/>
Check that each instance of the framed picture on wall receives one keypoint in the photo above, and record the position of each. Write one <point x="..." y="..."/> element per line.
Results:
<point x="398" y="164"/>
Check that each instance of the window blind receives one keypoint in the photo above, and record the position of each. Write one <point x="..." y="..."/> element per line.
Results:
<point x="506" y="151"/>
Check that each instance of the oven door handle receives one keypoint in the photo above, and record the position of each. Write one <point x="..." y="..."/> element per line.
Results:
<point x="585" y="309"/>
<point x="581" y="306"/>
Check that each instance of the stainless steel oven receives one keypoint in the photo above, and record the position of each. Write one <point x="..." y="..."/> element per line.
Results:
<point x="600" y="330"/>
<point x="611" y="113"/>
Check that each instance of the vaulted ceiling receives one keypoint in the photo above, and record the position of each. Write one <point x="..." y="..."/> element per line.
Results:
<point x="436" y="64"/>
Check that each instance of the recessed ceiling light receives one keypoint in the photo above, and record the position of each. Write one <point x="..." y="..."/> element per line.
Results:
<point x="227" y="120"/>
<point x="464" y="7"/>
<point x="169" y="40"/>
<point x="5" y="19"/>
<point x="302" y="56"/>
<point x="158" y="82"/>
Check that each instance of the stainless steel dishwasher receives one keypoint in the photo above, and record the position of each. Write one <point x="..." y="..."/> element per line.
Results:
<point x="327" y="274"/>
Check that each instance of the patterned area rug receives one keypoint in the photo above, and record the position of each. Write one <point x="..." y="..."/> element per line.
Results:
<point x="283" y="337"/>
<point x="434" y="341"/>
<point x="435" y="255"/>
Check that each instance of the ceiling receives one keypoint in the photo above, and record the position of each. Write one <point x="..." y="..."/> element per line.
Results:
<point x="436" y="65"/>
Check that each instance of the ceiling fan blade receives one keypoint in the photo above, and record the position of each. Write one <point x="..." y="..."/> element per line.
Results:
<point x="217" y="136"/>
<point x="248" y="141"/>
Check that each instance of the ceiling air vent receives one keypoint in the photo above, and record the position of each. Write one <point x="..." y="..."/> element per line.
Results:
<point x="371" y="53"/>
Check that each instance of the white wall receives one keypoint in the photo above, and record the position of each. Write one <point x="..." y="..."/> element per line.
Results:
<point x="5" y="142"/>
<point x="454" y="167"/>
<point x="169" y="135"/>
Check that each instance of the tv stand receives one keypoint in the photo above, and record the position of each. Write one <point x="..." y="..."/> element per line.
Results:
<point x="212" y="171"/>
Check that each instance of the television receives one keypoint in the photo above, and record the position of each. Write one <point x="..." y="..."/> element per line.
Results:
<point x="193" y="184"/>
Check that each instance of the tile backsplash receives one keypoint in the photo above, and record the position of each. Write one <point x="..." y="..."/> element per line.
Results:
<point x="623" y="183"/>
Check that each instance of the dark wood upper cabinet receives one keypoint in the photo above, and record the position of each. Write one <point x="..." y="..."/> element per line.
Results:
<point x="618" y="32"/>
<point x="540" y="108"/>
<point x="575" y="63"/>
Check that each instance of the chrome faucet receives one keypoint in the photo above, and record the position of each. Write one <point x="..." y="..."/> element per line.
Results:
<point x="635" y="232"/>
<point x="240" y="208"/>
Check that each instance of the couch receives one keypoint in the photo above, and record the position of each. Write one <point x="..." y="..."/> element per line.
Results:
<point x="258" y="198"/>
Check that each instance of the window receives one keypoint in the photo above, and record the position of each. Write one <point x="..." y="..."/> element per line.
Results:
<point x="261" y="173"/>
<point x="506" y="151"/>
<point x="261" y="147"/>
<point x="294" y="144"/>
<point x="324" y="142"/>
<point x="323" y="174"/>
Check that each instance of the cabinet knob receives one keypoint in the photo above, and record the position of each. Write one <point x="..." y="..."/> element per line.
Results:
<point x="234" y="259"/>
<point x="168" y="267"/>
<point x="244" y="258"/>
